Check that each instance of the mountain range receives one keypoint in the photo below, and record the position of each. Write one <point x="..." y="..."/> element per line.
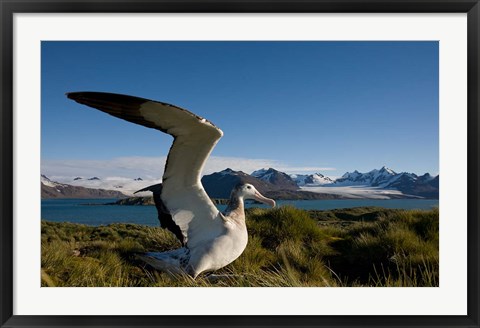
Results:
<point x="297" y="186"/>
<point x="272" y="183"/>
<point x="278" y="185"/>
<point x="408" y="183"/>
<point x="52" y="189"/>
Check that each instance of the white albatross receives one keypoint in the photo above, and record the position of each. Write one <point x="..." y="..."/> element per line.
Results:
<point x="210" y="239"/>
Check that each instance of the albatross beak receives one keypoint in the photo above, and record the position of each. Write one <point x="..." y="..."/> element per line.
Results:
<point x="263" y="199"/>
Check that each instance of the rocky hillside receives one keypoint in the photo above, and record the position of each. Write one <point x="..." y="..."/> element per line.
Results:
<point x="52" y="189"/>
<point x="424" y="186"/>
<point x="279" y="179"/>
<point x="220" y="184"/>
<point x="274" y="185"/>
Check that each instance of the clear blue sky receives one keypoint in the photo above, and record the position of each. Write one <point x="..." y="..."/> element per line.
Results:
<point x="344" y="105"/>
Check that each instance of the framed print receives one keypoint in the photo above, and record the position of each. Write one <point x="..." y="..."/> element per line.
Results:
<point x="302" y="184"/>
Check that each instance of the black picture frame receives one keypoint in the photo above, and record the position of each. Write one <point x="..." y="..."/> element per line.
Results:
<point x="10" y="7"/>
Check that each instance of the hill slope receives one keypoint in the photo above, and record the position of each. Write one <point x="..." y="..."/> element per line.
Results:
<point x="276" y="186"/>
<point x="52" y="189"/>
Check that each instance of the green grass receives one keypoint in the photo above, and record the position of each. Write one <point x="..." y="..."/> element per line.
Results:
<point x="287" y="247"/>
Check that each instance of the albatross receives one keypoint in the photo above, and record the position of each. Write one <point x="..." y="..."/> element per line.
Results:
<point x="210" y="239"/>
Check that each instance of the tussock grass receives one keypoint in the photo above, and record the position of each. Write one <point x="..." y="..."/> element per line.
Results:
<point x="287" y="247"/>
<point x="401" y="246"/>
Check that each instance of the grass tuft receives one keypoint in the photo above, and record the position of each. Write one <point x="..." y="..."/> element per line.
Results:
<point x="288" y="247"/>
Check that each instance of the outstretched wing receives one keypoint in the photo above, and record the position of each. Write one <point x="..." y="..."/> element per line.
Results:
<point x="164" y="216"/>
<point x="194" y="138"/>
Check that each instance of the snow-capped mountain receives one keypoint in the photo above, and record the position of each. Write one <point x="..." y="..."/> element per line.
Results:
<point x="385" y="178"/>
<point x="409" y="183"/>
<point x="279" y="179"/>
<point x="53" y="189"/>
<point x="269" y="182"/>
<point x="426" y="177"/>
<point x="316" y="179"/>
<point x="126" y="185"/>
<point x="220" y="184"/>
<point x="49" y="183"/>
<point x="259" y="173"/>
<point x="374" y="178"/>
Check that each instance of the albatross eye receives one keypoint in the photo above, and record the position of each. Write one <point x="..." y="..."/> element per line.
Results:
<point x="249" y="187"/>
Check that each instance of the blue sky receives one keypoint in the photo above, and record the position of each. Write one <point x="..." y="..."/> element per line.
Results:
<point x="302" y="106"/>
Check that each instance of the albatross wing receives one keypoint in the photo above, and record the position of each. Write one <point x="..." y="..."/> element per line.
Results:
<point x="194" y="139"/>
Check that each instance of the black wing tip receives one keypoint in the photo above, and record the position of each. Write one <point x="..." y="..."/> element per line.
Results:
<point x="153" y="188"/>
<point x="76" y="95"/>
<point x="85" y="97"/>
<point x="73" y="95"/>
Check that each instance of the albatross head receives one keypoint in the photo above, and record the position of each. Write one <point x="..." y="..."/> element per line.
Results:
<point x="248" y="191"/>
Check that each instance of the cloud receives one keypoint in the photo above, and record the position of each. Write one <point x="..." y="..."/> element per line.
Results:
<point x="120" y="167"/>
<point x="152" y="167"/>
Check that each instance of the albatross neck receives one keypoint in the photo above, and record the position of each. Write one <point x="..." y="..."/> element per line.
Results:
<point x="235" y="205"/>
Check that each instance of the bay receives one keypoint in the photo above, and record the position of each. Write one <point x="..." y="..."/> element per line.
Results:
<point x="92" y="212"/>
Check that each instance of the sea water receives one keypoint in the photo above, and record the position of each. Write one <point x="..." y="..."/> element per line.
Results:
<point x="93" y="212"/>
